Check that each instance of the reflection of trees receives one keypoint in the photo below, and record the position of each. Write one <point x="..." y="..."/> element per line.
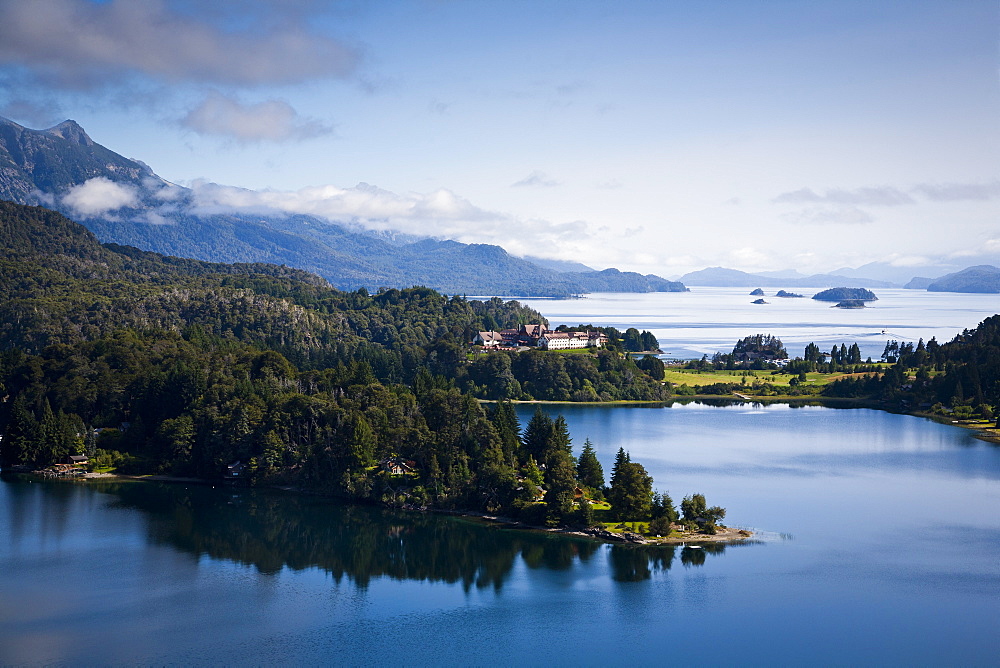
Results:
<point x="692" y="556"/>
<point x="634" y="563"/>
<point x="272" y="531"/>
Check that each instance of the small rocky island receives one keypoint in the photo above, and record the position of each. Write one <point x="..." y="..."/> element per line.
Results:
<point x="758" y="301"/>
<point x="782" y="293"/>
<point x="850" y="303"/>
<point x="759" y="292"/>
<point x="846" y="294"/>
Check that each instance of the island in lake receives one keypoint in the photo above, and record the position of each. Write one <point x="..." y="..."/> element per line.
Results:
<point x="842" y="294"/>
<point x="850" y="303"/>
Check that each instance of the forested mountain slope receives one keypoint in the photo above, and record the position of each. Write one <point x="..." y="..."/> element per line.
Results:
<point x="160" y="364"/>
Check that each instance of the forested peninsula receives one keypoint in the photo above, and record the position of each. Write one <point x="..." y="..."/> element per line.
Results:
<point x="153" y="364"/>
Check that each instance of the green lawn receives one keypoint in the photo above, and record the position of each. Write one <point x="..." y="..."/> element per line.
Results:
<point x="692" y="377"/>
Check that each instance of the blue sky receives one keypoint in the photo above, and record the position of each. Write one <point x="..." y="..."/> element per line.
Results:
<point x="654" y="136"/>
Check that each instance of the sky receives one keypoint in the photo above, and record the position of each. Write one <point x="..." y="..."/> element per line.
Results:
<point x="660" y="137"/>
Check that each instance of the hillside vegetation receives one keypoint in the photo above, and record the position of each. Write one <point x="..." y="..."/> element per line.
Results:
<point x="160" y="364"/>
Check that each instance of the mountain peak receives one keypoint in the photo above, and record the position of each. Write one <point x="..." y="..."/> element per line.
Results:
<point x="70" y="130"/>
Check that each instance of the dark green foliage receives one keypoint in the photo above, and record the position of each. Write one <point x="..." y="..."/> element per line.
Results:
<point x="969" y="367"/>
<point x="560" y="483"/>
<point x="588" y="468"/>
<point x="508" y="430"/>
<point x="759" y="346"/>
<point x="584" y="516"/>
<point x="537" y="435"/>
<point x="636" y="341"/>
<point x="841" y="294"/>
<point x="631" y="492"/>
<point x="663" y="507"/>
<point x="652" y="366"/>
<point x="697" y="515"/>
<point x="164" y="365"/>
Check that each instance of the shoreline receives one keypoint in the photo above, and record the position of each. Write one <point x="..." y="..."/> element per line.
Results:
<point x="982" y="431"/>
<point x="601" y="534"/>
<point x="723" y="535"/>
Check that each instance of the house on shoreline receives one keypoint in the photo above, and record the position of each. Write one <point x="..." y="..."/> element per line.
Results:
<point x="540" y="336"/>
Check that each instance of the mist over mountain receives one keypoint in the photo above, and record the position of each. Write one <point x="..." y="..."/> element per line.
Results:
<point x="36" y="164"/>
<point x="558" y="265"/>
<point x="123" y="201"/>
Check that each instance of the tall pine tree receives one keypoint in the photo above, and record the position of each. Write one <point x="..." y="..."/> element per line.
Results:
<point x="589" y="469"/>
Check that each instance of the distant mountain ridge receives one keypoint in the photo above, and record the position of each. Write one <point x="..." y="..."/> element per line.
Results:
<point x="733" y="278"/>
<point x="53" y="160"/>
<point x="983" y="278"/>
<point x="40" y="167"/>
<point x="557" y="265"/>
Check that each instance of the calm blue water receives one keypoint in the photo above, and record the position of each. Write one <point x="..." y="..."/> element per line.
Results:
<point x="880" y="544"/>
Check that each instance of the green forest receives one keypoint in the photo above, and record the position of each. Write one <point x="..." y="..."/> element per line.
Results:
<point x="155" y="364"/>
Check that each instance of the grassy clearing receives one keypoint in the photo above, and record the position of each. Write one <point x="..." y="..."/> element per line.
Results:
<point x="693" y="377"/>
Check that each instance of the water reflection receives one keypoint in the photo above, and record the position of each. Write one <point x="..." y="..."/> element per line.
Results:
<point x="272" y="531"/>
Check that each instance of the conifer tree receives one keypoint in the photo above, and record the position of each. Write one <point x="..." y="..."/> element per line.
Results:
<point x="621" y="458"/>
<point x="560" y="440"/>
<point x="560" y="484"/>
<point x="589" y="469"/>
<point x="537" y="435"/>
<point x="508" y="429"/>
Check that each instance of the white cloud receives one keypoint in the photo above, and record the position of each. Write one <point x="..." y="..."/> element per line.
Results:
<point x="440" y="213"/>
<point x="45" y="199"/>
<point x="849" y="215"/>
<point x="271" y="120"/>
<point x="155" y="218"/>
<point x="957" y="192"/>
<point x="99" y="195"/>
<point x="910" y="261"/>
<point x="748" y="258"/>
<point x="536" y="179"/>
<point x="78" y="44"/>
<point x="879" y="196"/>
<point x="365" y="204"/>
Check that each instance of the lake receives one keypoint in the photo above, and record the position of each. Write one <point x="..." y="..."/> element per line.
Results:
<point x="709" y="320"/>
<point x="878" y="542"/>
